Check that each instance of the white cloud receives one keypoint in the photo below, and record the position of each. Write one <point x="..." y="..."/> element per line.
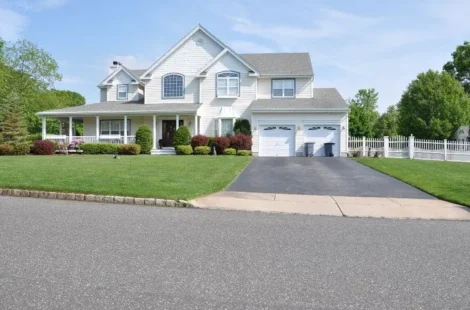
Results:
<point x="12" y="24"/>
<point x="249" y="47"/>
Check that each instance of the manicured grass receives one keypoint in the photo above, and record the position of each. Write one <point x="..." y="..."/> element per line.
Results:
<point x="173" y="177"/>
<point x="446" y="180"/>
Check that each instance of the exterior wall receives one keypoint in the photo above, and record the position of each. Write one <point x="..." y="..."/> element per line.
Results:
<point x="303" y="88"/>
<point x="103" y="94"/>
<point x="211" y="105"/>
<point x="123" y="78"/>
<point x="187" y="60"/>
<point x="299" y="120"/>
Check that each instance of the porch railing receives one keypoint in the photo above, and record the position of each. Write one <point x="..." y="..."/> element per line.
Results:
<point x="91" y="139"/>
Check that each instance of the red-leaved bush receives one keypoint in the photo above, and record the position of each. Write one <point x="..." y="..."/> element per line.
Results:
<point x="44" y="147"/>
<point x="241" y="142"/>
<point x="6" y="149"/>
<point x="220" y="144"/>
<point x="199" y="140"/>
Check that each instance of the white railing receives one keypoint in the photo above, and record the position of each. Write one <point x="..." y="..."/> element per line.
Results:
<point x="91" y="139"/>
<point x="409" y="147"/>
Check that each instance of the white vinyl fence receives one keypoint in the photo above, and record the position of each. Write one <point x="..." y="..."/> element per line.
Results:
<point x="91" y="139"/>
<point x="409" y="147"/>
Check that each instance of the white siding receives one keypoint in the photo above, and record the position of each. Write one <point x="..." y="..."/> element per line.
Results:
<point x="264" y="88"/>
<point x="187" y="60"/>
<point x="211" y="105"/>
<point x="303" y="88"/>
<point x="103" y="94"/>
<point x="299" y="120"/>
<point x="123" y="78"/>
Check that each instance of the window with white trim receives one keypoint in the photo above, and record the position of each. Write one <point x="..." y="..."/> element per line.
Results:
<point x="122" y="91"/>
<point x="114" y="127"/>
<point x="228" y="84"/>
<point x="283" y="88"/>
<point x="173" y="86"/>
<point x="227" y="127"/>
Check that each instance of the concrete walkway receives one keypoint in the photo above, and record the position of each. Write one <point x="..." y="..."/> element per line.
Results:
<point x="376" y="207"/>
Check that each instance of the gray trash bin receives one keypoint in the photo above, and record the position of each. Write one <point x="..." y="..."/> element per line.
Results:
<point x="329" y="149"/>
<point x="308" y="149"/>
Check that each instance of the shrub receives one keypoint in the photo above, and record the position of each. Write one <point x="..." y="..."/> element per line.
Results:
<point x="221" y="143"/>
<point x="182" y="136"/>
<point x="129" y="149"/>
<point x="210" y="142"/>
<point x="143" y="137"/>
<point x="184" y="149"/>
<point x="6" y="149"/>
<point x="199" y="140"/>
<point x="75" y="144"/>
<point x="230" y="151"/>
<point x="242" y="126"/>
<point x="34" y="137"/>
<point x="202" y="150"/>
<point x="99" y="148"/>
<point x="243" y="153"/>
<point x="23" y="148"/>
<point x="44" y="147"/>
<point x="241" y="142"/>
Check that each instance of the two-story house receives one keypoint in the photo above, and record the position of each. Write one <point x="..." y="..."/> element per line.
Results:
<point x="205" y="85"/>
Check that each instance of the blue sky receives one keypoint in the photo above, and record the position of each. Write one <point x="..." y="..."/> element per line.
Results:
<point x="353" y="44"/>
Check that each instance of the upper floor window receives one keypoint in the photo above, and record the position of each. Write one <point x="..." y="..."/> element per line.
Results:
<point x="283" y="88"/>
<point x="228" y="84"/>
<point x="173" y="86"/>
<point x="122" y="91"/>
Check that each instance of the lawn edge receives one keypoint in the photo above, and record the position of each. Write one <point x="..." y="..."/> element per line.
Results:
<point x="415" y="186"/>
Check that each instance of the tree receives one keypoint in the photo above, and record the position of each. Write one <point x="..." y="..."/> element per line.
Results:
<point x="433" y="106"/>
<point x="143" y="137"/>
<point x="13" y="128"/>
<point x="459" y="67"/>
<point x="387" y="124"/>
<point x="363" y="114"/>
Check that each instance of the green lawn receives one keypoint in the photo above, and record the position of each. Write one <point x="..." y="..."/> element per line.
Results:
<point x="173" y="177"/>
<point x="446" y="180"/>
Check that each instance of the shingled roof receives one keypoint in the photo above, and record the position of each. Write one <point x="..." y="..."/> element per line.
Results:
<point x="281" y="63"/>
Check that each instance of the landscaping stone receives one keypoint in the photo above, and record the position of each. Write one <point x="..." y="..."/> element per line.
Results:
<point x="118" y="199"/>
<point x="99" y="198"/>
<point x="80" y="197"/>
<point x="6" y="192"/>
<point x="184" y="203"/>
<point x="70" y="196"/>
<point x="52" y="195"/>
<point x="34" y="194"/>
<point x="160" y="202"/>
<point x="1" y="191"/>
<point x="90" y="198"/>
<point x="61" y="196"/>
<point x="149" y="201"/>
<point x="139" y="201"/>
<point x="129" y="200"/>
<point x="24" y="193"/>
<point x="171" y="203"/>
<point x="43" y="194"/>
<point x="16" y="192"/>
<point x="108" y="199"/>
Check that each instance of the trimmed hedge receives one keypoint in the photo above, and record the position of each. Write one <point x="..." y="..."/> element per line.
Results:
<point x="202" y="150"/>
<point x="230" y="151"/>
<point x="99" y="148"/>
<point x="243" y="153"/>
<point x="182" y="136"/>
<point x="199" y="140"/>
<point x="44" y="147"/>
<point x="241" y="142"/>
<point x="242" y="126"/>
<point x="143" y="137"/>
<point x="21" y="148"/>
<point x="221" y="143"/>
<point x="129" y="149"/>
<point x="6" y="149"/>
<point x="183" y="149"/>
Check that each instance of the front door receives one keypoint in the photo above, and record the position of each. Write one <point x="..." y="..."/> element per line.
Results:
<point x="168" y="131"/>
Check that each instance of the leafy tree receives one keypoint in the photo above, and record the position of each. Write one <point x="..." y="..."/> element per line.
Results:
<point x="433" y="106"/>
<point x="242" y="126"/>
<point x="182" y="136"/>
<point x="363" y="115"/>
<point x="143" y="137"/>
<point x="387" y="124"/>
<point x="459" y="67"/>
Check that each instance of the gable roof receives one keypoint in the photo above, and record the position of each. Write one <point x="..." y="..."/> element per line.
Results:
<point x="324" y="99"/>
<point x="135" y="74"/>
<point x="295" y="64"/>
<point x="216" y="58"/>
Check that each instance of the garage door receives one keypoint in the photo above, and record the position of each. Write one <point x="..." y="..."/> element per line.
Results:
<point x="321" y="135"/>
<point x="277" y="141"/>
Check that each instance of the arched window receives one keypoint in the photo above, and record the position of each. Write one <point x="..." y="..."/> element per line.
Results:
<point x="228" y="84"/>
<point x="173" y="86"/>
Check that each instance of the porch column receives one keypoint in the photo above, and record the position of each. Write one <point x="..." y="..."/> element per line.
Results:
<point x="44" y="128"/>
<point x="177" y="122"/>
<point x="97" y="129"/>
<point x="70" y="128"/>
<point x="195" y="125"/>
<point x="154" y="132"/>
<point x="125" y="129"/>
<point x="60" y="127"/>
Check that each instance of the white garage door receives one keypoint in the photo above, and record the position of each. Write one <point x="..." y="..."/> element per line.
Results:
<point x="321" y="135"/>
<point x="277" y="141"/>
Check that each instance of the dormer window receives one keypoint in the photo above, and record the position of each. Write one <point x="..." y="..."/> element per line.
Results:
<point x="283" y="88"/>
<point x="228" y="84"/>
<point x="122" y="91"/>
<point x="173" y="86"/>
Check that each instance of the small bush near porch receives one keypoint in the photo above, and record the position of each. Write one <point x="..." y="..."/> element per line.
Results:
<point x="172" y="177"/>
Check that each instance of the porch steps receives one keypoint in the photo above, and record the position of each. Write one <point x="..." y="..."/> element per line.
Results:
<point x="164" y="151"/>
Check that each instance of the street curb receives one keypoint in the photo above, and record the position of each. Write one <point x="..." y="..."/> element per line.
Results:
<point x="96" y="198"/>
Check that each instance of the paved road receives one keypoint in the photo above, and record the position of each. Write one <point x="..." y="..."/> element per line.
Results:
<point x="320" y="176"/>
<point x="77" y="255"/>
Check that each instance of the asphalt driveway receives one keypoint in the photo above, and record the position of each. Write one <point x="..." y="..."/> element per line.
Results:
<point x="320" y="176"/>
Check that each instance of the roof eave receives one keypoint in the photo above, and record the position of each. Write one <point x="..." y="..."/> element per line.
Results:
<point x="297" y="110"/>
<point x="104" y="113"/>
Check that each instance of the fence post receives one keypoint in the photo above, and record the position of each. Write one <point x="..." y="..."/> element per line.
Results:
<point x="363" y="146"/>
<point x="386" y="145"/>
<point x="411" y="146"/>
<point x="445" y="149"/>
